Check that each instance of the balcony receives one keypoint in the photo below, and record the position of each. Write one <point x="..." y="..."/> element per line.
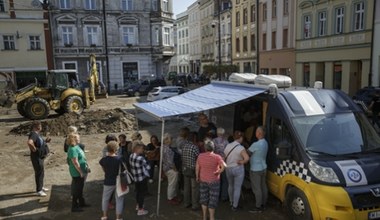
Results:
<point x="349" y="39"/>
<point x="74" y="50"/>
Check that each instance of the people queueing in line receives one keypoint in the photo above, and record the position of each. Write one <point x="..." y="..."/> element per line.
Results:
<point x="38" y="152"/>
<point x="190" y="153"/>
<point x="140" y="171"/>
<point x="209" y="166"/>
<point x="236" y="157"/>
<point x="170" y="170"/>
<point x="112" y="166"/>
<point x="79" y="170"/>
<point x="152" y="154"/>
<point x="220" y="143"/>
<point x="206" y="128"/>
<point x="258" y="170"/>
<point x="374" y="106"/>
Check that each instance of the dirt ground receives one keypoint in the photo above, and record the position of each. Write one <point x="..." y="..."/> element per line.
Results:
<point x="113" y="115"/>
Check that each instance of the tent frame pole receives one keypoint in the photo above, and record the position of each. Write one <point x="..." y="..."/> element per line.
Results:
<point x="160" y="167"/>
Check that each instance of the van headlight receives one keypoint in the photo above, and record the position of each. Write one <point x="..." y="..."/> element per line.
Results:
<point x="325" y="174"/>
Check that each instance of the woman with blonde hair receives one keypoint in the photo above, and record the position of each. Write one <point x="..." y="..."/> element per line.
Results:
<point x="78" y="170"/>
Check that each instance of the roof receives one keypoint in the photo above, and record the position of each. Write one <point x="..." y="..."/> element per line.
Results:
<point x="213" y="95"/>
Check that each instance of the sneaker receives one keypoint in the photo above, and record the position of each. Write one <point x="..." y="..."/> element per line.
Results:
<point x="45" y="189"/>
<point x="150" y="180"/>
<point x="41" y="193"/>
<point x="142" y="212"/>
<point x="256" y="210"/>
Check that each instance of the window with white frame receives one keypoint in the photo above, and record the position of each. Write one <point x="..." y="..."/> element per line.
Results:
<point x="166" y="36"/>
<point x="92" y="35"/>
<point x="2" y="6"/>
<point x="90" y="4"/>
<point x="165" y="5"/>
<point x="35" y="42"/>
<point x="154" y="5"/>
<point x="9" y="42"/>
<point x="69" y="65"/>
<point x="67" y="35"/>
<point x="126" y="5"/>
<point x="129" y="35"/>
<point x="322" y="23"/>
<point x="359" y="16"/>
<point x="307" y="26"/>
<point x="64" y="4"/>
<point x="339" y="20"/>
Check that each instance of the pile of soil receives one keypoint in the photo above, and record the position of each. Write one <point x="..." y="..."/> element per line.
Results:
<point x="90" y="122"/>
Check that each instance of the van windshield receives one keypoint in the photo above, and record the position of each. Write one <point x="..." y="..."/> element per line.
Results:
<point x="337" y="134"/>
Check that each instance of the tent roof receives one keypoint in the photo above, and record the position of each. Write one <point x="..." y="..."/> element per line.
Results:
<point x="213" y="95"/>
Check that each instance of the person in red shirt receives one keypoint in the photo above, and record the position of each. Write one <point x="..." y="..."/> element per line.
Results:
<point x="208" y="169"/>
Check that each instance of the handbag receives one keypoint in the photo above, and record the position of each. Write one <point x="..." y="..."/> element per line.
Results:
<point x="123" y="180"/>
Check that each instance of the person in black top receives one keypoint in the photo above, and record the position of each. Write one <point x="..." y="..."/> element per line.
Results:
<point x="206" y="129"/>
<point x="38" y="152"/>
<point x="111" y="165"/>
<point x="152" y="154"/>
<point x="375" y="107"/>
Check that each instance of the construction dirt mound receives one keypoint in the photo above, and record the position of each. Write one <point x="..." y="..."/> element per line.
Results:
<point x="91" y="122"/>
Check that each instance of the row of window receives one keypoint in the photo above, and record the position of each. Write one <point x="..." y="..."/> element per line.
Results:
<point x="339" y="16"/>
<point x="126" y="5"/>
<point x="92" y="37"/>
<point x="9" y="42"/>
<point x="252" y="42"/>
<point x="264" y="12"/>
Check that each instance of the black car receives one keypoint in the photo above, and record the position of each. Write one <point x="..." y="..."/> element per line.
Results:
<point x="364" y="96"/>
<point x="143" y="87"/>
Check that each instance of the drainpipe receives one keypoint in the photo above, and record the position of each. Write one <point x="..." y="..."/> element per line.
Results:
<point x="370" y="75"/>
<point x="257" y="38"/>
<point x="106" y="47"/>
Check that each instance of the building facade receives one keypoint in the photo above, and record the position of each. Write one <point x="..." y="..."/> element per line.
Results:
<point x="195" y="50"/>
<point x="206" y="10"/>
<point x="182" y="23"/>
<point x="223" y="8"/>
<point x="22" y="41"/>
<point x="132" y="39"/>
<point x="333" y="43"/>
<point x="244" y="35"/>
<point x="277" y="37"/>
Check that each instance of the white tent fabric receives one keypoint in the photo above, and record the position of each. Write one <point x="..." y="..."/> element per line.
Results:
<point x="214" y="95"/>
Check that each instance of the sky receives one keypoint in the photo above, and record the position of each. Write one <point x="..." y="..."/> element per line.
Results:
<point x="181" y="5"/>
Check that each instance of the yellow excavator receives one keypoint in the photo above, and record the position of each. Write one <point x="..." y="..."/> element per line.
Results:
<point x="61" y="94"/>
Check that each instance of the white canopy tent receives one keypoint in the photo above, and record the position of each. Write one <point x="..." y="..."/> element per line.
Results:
<point x="214" y="95"/>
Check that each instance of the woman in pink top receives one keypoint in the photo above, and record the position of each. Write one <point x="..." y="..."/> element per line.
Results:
<point x="208" y="169"/>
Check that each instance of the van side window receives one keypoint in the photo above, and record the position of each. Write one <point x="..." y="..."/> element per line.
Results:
<point x="280" y="135"/>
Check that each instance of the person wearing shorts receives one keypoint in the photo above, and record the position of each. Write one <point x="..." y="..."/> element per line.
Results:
<point x="209" y="166"/>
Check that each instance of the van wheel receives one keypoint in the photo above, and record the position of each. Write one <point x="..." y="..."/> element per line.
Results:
<point x="297" y="205"/>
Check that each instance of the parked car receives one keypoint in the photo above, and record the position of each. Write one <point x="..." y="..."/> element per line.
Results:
<point x="164" y="92"/>
<point x="363" y="97"/>
<point x="143" y="87"/>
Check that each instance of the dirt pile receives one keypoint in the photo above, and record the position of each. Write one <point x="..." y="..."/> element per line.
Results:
<point x="90" y="122"/>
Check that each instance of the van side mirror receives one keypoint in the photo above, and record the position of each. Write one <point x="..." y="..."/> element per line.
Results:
<point x="283" y="150"/>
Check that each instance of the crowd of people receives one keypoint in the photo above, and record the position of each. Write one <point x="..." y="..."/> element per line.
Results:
<point x="202" y="168"/>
